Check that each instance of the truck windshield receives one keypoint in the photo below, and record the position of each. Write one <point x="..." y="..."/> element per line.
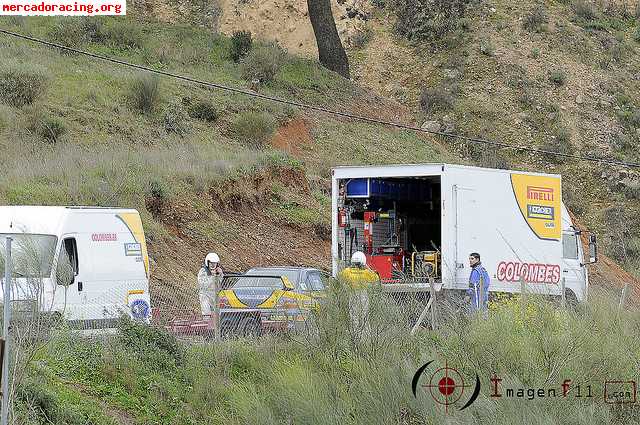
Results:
<point x="31" y="255"/>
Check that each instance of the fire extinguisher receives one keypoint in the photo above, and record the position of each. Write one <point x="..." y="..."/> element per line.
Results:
<point x="342" y="217"/>
<point x="369" y="219"/>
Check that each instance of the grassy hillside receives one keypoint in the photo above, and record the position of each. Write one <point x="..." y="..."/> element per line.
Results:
<point x="209" y="170"/>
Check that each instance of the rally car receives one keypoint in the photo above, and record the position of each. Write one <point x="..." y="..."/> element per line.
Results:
<point x="269" y="299"/>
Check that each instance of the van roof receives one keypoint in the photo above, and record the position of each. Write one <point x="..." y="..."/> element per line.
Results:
<point x="409" y="170"/>
<point x="44" y="220"/>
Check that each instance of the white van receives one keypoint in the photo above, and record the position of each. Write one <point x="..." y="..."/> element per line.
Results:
<point x="423" y="220"/>
<point x="89" y="264"/>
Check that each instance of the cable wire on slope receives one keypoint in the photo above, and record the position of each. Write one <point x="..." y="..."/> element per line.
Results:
<point x="301" y="105"/>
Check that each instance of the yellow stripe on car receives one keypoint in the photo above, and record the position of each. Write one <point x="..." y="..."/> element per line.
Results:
<point x="232" y="299"/>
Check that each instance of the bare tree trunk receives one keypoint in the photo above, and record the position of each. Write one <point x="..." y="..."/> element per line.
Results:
<point x="330" y="50"/>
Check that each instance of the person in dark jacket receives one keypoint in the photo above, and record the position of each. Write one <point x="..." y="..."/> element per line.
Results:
<point x="479" y="278"/>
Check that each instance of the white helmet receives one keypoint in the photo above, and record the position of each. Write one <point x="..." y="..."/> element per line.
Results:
<point x="211" y="257"/>
<point x="358" y="258"/>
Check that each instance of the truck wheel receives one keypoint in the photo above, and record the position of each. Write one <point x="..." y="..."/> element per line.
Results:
<point x="249" y="327"/>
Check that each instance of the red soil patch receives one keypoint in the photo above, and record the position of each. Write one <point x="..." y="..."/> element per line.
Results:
<point x="293" y="137"/>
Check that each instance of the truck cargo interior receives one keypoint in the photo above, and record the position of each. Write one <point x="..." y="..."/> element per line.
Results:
<point x="396" y="222"/>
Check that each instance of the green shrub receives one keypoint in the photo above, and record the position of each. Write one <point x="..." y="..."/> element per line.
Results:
<point x="51" y="129"/>
<point x="203" y="110"/>
<point x="584" y="10"/>
<point x="558" y="77"/>
<point x="124" y="34"/>
<point x="427" y="20"/>
<point x="69" y="32"/>
<point x="536" y="19"/>
<point x="144" y="93"/>
<point x="44" y="126"/>
<point x="434" y="99"/>
<point x="158" y="189"/>
<point x="630" y="117"/>
<point x="175" y="119"/>
<point x="262" y="63"/>
<point x="241" y="43"/>
<point x="21" y="85"/>
<point x="150" y="343"/>
<point x="94" y="29"/>
<point x="636" y="34"/>
<point x="253" y="128"/>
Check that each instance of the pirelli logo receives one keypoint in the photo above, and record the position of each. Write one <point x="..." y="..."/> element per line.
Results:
<point x="535" y="193"/>
<point x="539" y="199"/>
<point x="540" y="212"/>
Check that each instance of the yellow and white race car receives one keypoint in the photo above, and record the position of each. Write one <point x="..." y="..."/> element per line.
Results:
<point x="269" y="299"/>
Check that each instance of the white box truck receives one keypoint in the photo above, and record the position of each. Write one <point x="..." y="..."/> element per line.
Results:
<point x="420" y="222"/>
<point x="88" y="264"/>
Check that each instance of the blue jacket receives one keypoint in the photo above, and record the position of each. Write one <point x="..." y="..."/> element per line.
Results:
<point x="474" y="279"/>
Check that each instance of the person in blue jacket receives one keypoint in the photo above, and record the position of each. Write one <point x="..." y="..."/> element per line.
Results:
<point x="478" y="278"/>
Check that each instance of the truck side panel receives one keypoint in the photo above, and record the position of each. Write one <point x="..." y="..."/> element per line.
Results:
<point x="513" y="220"/>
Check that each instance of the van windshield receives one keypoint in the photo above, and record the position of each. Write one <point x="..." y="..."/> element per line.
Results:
<point x="31" y="255"/>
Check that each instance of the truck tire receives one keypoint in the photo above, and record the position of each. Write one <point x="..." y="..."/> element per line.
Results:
<point x="249" y="327"/>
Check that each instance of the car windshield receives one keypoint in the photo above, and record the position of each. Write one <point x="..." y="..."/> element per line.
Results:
<point x="256" y="282"/>
<point x="290" y="274"/>
<point x="31" y="255"/>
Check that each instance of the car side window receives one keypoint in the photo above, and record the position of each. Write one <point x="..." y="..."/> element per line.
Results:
<point x="314" y="281"/>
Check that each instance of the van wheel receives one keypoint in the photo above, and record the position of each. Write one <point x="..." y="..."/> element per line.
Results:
<point x="249" y="327"/>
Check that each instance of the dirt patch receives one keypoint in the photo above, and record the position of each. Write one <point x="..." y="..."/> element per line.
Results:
<point x="285" y="21"/>
<point x="293" y="137"/>
<point x="233" y="221"/>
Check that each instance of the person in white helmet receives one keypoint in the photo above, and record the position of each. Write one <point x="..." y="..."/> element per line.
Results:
<point x="209" y="278"/>
<point x="358" y="275"/>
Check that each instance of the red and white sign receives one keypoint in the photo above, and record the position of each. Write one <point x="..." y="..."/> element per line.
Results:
<point x="104" y="237"/>
<point x="513" y="271"/>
